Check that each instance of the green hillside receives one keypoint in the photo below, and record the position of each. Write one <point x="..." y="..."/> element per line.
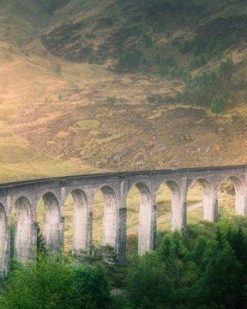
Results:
<point x="121" y="85"/>
<point x="202" y="43"/>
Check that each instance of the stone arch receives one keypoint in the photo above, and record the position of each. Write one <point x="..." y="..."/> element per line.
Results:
<point x="109" y="218"/>
<point x="51" y="220"/>
<point x="80" y="221"/>
<point x="103" y="211"/>
<point x="146" y="217"/>
<point x="175" y="192"/>
<point x="209" y="201"/>
<point x="176" y="195"/>
<point x="240" y="193"/>
<point x="23" y="231"/>
<point x="178" y="205"/>
<point x="3" y="241"/>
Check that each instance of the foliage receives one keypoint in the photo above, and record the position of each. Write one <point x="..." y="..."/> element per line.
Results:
<point x="56" y="282"/>
<point x="218" y="104"/>
<point x="198" y="61"/>
<point x="41" y="247"/>
<point x="158" y="7"/>
<point x="130" y="60"/>
<point x="216" y="36"/>
<point x="12" y="236"/>
<point x="205" y="267"/>
<point x="211" y="88"/>
<point x="90" y="36"/>
<point x="192" y="272"/>
<point x="52" y="5"/>
<point x="110" y="17"/>
<point x="155" y="288"/>
<point x="111" y="99"/>
<point x="169" y="67"/>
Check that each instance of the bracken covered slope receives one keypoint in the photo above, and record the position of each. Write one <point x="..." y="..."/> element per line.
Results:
<point x="122" y="85"/>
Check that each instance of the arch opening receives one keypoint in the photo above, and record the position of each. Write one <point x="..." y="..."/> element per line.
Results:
<point x="21" y="228"/>
<point x="3" y="240"/>
<point x="48" y="219"/>
<point x="231" y="197"/>
<point x="140" y="235"/>
<point x="168" y="203"/>
<point x="76" y="222"/>
<point x="201" y="201"/>
<point x="103" y="214"/>
<point x="164" y="198"/>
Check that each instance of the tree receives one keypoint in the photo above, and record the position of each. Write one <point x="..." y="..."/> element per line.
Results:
<point x="147" y="284"/>
<point x="56" y="282"/>
<point x="220" y="285"/>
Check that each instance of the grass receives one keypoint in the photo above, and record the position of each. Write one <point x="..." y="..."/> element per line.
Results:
<point x="19" y="20"/>
<point x="41" y="136"/>
<point x="88" y="124"/>
<point x="18" y="161"/>
<point x="31" y="81"/>
<point x="84" y="128"/>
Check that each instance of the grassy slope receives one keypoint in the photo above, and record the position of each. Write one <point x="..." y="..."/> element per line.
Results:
<point x="85" y="113"/>
<point x="25" y="82"/>
<point x="20" y="20"/>
<point x="111" y="123"/>
<point x="59" y="117"/>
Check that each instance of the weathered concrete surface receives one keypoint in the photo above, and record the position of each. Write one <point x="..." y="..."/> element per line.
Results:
<point x="25" y="196"/>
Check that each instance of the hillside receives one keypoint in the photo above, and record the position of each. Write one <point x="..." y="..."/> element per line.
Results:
<point x="121" y="85"/>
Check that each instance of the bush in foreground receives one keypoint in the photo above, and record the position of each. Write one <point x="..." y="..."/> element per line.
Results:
<point x="204" y="267"/>
<point x="192" y="273"/>
<point x="56" y="282"/>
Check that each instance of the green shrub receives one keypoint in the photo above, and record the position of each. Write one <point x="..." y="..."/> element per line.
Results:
<point x="55" y="282"/>
<point x="110" y="17"/>
<point x="218" y="104"/>
<point x="214" y="37"/>
<point x="206" y="88"/>
<point x="130" y="60"/>
<point x="165" y="65"/>
<point x="41" y="247"/>
<point x="147" y="284"/>
<point x="157" y="7"/>
<point x="52" y="5"/>
<point x="90" y="36"/>
<point x="12" y="236"/>
<point x="111" y="99"/>
<point x="192" y="271"/>
<point x="226" y="69"/>
<point x="198" y="61"/>
<point x="106" y="21"/>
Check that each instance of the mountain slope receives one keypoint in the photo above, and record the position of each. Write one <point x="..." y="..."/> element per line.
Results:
<point x="103" y="85"/>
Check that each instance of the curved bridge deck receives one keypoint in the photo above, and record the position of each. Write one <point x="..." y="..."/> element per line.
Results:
<point x="24" y="196"/>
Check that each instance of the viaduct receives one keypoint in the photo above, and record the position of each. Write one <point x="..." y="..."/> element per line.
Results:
<point x="24" y="197"/>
